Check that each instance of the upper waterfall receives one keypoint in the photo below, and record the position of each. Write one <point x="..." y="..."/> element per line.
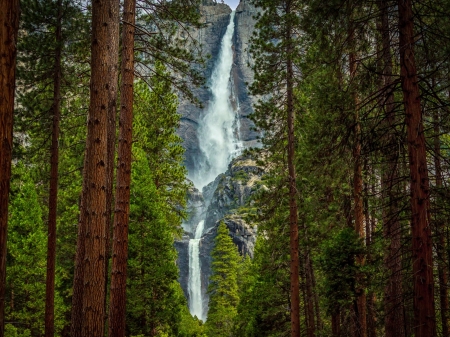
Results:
<point x="218" y="131"/>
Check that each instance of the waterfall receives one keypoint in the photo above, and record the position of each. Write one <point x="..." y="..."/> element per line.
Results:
<point x="218" y="136"/>
<point x="218" y="131"/>
<point x="195" y="283"/>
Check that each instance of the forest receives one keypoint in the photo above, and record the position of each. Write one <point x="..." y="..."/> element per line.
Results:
<point x="350" y="206"/>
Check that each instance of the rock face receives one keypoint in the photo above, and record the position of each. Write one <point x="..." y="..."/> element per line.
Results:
<point x="241" y="71"/>
<point x="216" y="16"/>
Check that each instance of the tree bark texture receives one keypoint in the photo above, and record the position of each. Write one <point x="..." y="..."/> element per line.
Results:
<point x="393" y="294"/>
<point x="53" y="191"/>
<point x="310" y="324"/>
<point x="95" y="201"/>
<point x="440" y="230"/>
<point x="424" y="311"/>
<point x="336" y="324"/>
<point x="293" y="209"/>
<point x="9" y="24"/>
<point x="357" y="197"/>
<point x="76" y="323"/>
<point x="370" y="226"/>
<point x="112" y="111"/>
<point x="122" y="203"/>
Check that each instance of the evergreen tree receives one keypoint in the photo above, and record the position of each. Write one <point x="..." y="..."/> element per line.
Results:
<point x="156" y="122"/>
<point x="9" y="21"/>
<point x="223" y="287"/>
<point x="153" y="305"/>
<point x="27" y="259"/>
<point x="116" y="317"/>
<point x="95" y="198"/>
<point x="275" y="49"/>
<point x="154" y="302"/>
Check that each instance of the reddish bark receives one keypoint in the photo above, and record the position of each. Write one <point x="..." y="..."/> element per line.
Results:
<point x="53" y="194"/>
<point x="122" y="203"/>
<point x="424" y="311"/>
<point x="76" y="322"/>
<point x="336" y="325"/>
<point x="9" y="24"/>
<point x="358" y="212"/>
<point x="440" y="230"/>
<point x="393" y="305"/>
<point x="112" y="111"/>
<point x="293" y="216"/>
<point x="95" y="199"/>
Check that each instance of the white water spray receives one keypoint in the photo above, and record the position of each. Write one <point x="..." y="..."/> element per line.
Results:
<point x="195" y="284"/>
<point x="218" y="132"/>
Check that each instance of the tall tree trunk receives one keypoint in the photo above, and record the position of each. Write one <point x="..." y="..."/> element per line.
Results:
<point x="336" y="324"/>
<point x="9" y="23"/>
<point x="440" y="230"/>
<point x="369" y="219"/>
<point x="76" y="323"/>
<point x="112" y="112"/>
<point x="393" y="304"/>
<point x="95" y="201"/>
<point x="310" y="324"/>
<point x="53" y="195"/>
<point x="319" y="323"/>
<point x="293" y="210"/>
<point x="424" y="313"/>
<point x="357" y="195"/>
<point x="122" y="204"/>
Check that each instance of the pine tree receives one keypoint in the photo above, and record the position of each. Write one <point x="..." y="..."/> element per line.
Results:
<point x="158" y="191"/>
<point x="275" y="49"/>
<point x="9" y="21"/>
<point x="94" y="217"/>
<point x="223" y="287"/>
<point x="424" y="314"/>
<point x="26" y="256"/>
<point x="122" y="201"/>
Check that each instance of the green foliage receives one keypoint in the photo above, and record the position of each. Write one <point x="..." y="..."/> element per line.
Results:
<point x="338" y="264"/>
<point x="26" y="260"/>
<point x="223" y="287"/>
<point x="155" y="125"/>
<point x="153" y="304"/>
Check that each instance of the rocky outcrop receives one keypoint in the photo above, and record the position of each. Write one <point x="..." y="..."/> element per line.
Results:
<point x="182" y="247"/>
<point x="229" y="202"/>
<point x="216" y="17"/>
<point x="233" y="189"/>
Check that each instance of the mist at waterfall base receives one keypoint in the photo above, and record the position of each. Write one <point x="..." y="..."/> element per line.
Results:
<point x="218" y="136"/>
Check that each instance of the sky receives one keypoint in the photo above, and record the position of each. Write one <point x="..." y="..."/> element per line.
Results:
<point x="232" y="3"/>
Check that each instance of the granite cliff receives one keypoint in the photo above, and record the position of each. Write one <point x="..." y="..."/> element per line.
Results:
<point x="216" y="17"/>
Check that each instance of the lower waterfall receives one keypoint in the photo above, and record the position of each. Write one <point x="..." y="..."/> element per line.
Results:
<point x="195" y="283"/>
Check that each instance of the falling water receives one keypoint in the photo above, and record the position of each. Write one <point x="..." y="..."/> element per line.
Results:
<point x="195" y="285"/>
<point x="218" y="136"/>
<point x="218" y="132"/>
